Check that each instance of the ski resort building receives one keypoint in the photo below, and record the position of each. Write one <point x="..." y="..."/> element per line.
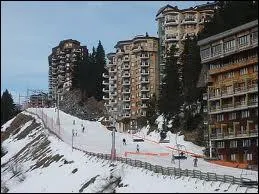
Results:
<point x="62" y="62"/>
<point x="231" y="58"/>
<point x="132" y="79"/>
<point x="175" y="24"/>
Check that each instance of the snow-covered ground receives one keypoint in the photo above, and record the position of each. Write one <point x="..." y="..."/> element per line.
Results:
<point x="97" y="138"/>
<point x="89" y="174"/>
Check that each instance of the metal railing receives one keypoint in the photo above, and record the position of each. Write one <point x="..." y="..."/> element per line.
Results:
<point x="50" y="124"/>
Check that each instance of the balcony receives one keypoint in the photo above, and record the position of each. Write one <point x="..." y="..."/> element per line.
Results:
<point x="231" y="66"/>
<point x="110" y="64"/>
<point x="113" y="86"/>
<point x="169" y="22"/>
<point x="144" y="89"/>
<point x="105" y="97"/>
<point x="105" y="75"/>
<point x="112" y="78"/>
<point x="126" y="59"/>
<point x="137" y="49"/>
<point x="144" y="56"/>
<point x="125" y="67"/>
<point x="105" y="82"/>
<point x="143" y="105"/>
<point x="126" y="91"/>
<point x="144" y="97"/>
<point x="124" y="75"/>
<point x="171" y="38"/>
<point x="105" y="90"/>
<point x="126" y="115"/>
<point x="189" y="20"/>
<point x="144" y="72"/>
<point x="252" y="103"/>
<point x="126" y="107"/>
<point x="143" y="113"/>
<point x="113" y="70"/>
<point x="144" y="64"/>
<point x="112" y="102"/>
<point x="120" y="52"/>
<point x="113" y="93"/>
<point x="77" y="50"/>
<point x="237" y="134"/>
<point x="144" y="81"/>
<point x="62" y="61"/>
<point x="126" y="83"/>
<point x="126" y="99"/>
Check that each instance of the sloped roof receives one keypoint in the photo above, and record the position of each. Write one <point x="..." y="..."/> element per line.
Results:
<point x="163" y="8"/>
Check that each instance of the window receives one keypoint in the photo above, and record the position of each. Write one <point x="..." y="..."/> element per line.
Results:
<point x="245" y="114"/>
<point x="255" y="68"/>
<point x="230" y="74"/>
<point x="243" y="71"/>
<point x="233" y="157"/>
<point x="216" y="50"/>
<point x="220" y="144"/>
<point x="255" y="36"/>
<point x="205" y="53"/>
<point x="220" y="117"/>
<point x="246" y="142"/>
<point x="243" y="40"/>
<point x="248" y="156"/>
<point x="232" y="116"/>
<point x="229" y="45"/>
<point x="233" y="144"/>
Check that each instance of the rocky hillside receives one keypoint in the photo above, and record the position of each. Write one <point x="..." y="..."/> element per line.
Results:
<point x="87" y="110"/>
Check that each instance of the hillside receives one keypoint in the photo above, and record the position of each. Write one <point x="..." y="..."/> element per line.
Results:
<point x="37" y="161"/>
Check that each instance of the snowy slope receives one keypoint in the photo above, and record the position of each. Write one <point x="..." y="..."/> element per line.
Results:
<point x="98" y="139"/>
<point x="67" y="171"/>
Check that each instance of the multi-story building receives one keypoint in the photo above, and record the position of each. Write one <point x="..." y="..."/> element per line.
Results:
<point x="61" y="65"/>
<point x="232" y="92"/>
<point x="133" y="77"/>
<point x="38" y="100"/>
<point x="174" y="25"/>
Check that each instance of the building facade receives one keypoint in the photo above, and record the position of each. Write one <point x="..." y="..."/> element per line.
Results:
<point x="62" y="61"/>
<point x="38" y="100"/>
<point x="132" y="79"/>
<point x="174" y="25"/>
<point x="232" y="92"/>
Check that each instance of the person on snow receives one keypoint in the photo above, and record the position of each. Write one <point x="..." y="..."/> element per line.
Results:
<point x="172" y="160"/>
<point x="124" y="141"/>
<point x="137" y="148"/>
<point x="195" y="160"/>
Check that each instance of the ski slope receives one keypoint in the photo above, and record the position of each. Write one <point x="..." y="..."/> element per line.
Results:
<point x="97" y="138"/>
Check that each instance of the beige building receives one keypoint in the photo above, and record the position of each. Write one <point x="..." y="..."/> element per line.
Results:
<point x="62" y="61"/>
<point x="174" y="25"/>
<point x="133" y="77"/>
<point x="231" y="58"/>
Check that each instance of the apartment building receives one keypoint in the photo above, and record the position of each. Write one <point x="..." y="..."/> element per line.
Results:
<point x="133" y="77"/>
<point x="38" y="100"/>
<point x="231" y="58"/>
<point x="174" y="25"/>
<point x="61" y="65"/>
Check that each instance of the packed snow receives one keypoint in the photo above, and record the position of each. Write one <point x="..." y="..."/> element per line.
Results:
<point x="93" y="173"/>
<point x="97" y="138"/>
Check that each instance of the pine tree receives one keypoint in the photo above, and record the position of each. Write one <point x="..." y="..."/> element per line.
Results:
<point x="100" y="69"/>
<point x="7" y="107"/>
<point x="191" y="64"/>
<point x="170" y="95"/>
<point x="151" y="113"/>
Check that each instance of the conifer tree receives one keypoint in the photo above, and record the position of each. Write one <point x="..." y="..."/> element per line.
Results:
<point x="170" y="95"/>
<point x="7" y="107"/>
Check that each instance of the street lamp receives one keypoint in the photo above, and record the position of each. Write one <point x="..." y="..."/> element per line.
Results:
<point x="58" y="120"/>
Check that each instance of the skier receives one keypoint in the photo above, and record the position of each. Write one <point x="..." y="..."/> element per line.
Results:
<point x="172" y="160"/>
<point x="73" y="132"/>
<point x="137" y="148"/>
<point x="74" y="122"/>
<point x="124" y="141"/>
<point x="83" y="129"/>
<point x="195" y="160"/>
<point x="76" y="132"/>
